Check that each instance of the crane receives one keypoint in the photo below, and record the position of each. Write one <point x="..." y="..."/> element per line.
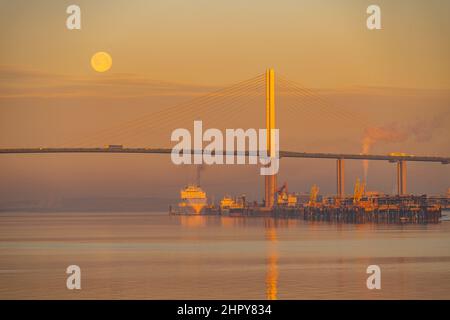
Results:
<point x="358" y="191"/>
<point x="313" y="195"/>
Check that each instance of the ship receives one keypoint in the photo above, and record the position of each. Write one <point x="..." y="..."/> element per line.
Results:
<point x="193" y="200"/>
<point x="229" y="205"/>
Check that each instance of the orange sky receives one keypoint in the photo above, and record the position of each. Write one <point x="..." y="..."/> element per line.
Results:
<point x="166" y="52"/>
<point x="323" y="43"/>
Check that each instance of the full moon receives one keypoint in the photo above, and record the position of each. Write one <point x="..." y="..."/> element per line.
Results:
<point x="101" y="61"/>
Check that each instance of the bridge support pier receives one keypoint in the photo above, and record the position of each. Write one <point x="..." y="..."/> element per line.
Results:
<point x="270" y="181"/>
<point x="401" y="177"/>
<point x="340" y="176"/>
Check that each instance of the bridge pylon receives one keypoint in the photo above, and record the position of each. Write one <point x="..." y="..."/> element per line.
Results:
<point x="270" y="180"/>
<point x="401" y="177"/>
<point x="340" y="178"/>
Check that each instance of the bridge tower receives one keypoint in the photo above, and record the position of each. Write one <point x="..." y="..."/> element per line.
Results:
<point x="270" y="181"/>
<point x="401" y="177"/>
<point x="340" y="177"/>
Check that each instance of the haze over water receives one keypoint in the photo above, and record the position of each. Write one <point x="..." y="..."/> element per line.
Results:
<point x="157" y="256"/>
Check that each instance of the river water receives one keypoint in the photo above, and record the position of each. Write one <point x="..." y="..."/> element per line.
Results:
<point x="157" y="256"/>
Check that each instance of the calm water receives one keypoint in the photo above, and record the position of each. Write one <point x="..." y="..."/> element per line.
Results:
<point x="156" y="256"/>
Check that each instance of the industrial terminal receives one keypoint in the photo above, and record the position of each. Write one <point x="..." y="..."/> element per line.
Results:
<point x="359" y="207"/>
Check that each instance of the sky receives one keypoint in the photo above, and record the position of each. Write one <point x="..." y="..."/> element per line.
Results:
<point x="325" y="43"/>
<point x="167" y="52"/>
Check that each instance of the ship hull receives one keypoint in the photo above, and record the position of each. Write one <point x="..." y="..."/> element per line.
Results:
<point x="185" y="211"/>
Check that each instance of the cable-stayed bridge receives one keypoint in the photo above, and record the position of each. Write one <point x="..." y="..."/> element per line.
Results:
<point x="227" y="106"/>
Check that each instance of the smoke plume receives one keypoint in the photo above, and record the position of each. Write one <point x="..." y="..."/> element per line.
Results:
<point x="420" y="131"/>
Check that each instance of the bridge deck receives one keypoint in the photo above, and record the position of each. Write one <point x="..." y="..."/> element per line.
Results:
<point x="282" y="154"/>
